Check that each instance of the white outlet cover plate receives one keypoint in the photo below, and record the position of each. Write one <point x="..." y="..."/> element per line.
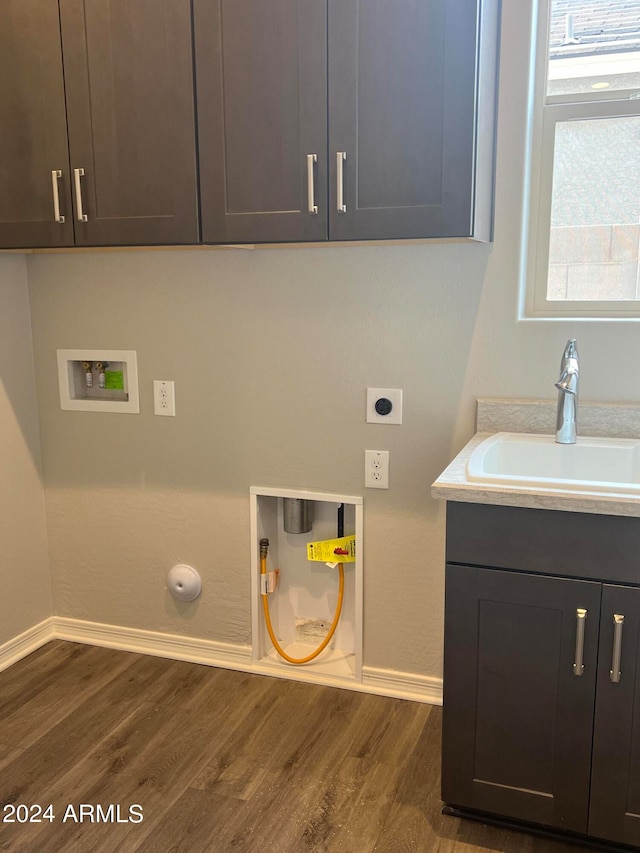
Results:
<point x="164" y="397"/>
<point x="393" y="394"/>
<point x="376" y="469"/>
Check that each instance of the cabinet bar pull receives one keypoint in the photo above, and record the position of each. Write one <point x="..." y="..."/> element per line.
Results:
<point x="313" y="207"/>
<point x="581" y="617"/>
<point x="77" y="174"/>
<point x="614" y="672"/>
<point x="341" y="156"/>
<point x="55" y="174"/>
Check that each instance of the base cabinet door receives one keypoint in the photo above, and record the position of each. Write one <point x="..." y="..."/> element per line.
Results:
<point x="519" y="684"/>
<point x="615" y="783"/>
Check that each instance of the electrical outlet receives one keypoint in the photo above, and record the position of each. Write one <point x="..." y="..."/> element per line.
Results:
<point x="376" y="469"/>
<point x="164" y="397"/>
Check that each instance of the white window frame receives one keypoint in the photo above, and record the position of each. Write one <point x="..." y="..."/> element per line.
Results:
<point x="547" y="112"/>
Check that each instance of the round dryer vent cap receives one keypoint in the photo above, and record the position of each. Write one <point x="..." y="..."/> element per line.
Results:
<point x="184" y="582"/>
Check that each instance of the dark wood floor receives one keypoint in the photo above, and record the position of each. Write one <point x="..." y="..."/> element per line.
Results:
<point x="218" y="761"/>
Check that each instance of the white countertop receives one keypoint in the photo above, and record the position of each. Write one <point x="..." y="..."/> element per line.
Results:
<point x="453" y="485"/>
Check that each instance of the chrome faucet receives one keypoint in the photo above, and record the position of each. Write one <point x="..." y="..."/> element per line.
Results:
<point x="567" y="385"/>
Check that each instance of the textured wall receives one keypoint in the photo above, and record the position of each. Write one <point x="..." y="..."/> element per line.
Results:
<point x="271" y="351"/>
<point x="25" y="588"/>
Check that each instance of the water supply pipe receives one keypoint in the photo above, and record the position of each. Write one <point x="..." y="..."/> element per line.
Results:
<point x="264" y="549"/>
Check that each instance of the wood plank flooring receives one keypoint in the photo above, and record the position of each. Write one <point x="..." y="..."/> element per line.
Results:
<point x="217" y="761"/>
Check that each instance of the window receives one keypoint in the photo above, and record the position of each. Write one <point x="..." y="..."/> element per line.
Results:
<point x="585" y="216"/>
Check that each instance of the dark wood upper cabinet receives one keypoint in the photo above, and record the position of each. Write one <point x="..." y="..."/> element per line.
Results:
<point x="33" y="142"/>
<point x="317" y="120"/>
<point x="412" y="105"/>
<point x="112" y="110"/>
<point x="262" y="104"/>
<point x="130" y="111"/>
<point x="393" y="99"/>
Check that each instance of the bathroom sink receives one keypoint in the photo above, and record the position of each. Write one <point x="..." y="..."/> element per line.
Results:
<point x="529" y="461"/>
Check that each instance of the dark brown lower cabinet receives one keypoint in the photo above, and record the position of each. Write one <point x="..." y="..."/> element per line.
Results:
<point x="615" y="772"/>
<point x="518" y="721"/>
<point x="541" y="697"/>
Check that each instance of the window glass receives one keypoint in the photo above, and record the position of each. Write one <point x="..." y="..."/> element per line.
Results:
<point x="595" y="210"/>
<point x="585" y="249"/>
<point x="594" y="46"/>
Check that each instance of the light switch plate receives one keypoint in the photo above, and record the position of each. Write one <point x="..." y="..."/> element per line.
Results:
<point x="394" y="396"/>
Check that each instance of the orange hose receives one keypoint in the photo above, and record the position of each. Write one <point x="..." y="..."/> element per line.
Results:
<point x="332" y="629"/>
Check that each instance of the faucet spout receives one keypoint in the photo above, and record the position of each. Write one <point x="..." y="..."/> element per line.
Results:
<point x="567" y="385"/>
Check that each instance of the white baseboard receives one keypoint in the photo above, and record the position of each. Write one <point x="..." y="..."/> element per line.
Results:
<point x="173" y="646"/>
<point x="402" y="685"/>
<point x="25" y="643"/>
<point x="383" y="682"/>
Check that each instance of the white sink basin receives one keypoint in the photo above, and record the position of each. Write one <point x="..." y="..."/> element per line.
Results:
<point x="523" y="460"/>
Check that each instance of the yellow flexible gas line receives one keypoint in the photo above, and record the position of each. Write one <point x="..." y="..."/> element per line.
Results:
<point x="267" y="617"/>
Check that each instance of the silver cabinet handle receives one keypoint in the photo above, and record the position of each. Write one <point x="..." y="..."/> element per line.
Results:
<point x="77" y="174"/>
<point x="341" y="156"/>
<point x="614" y="672"/>
<point x="55" y="175"/>
<point x="581" y="618"/>
<point x="312" y="206"/>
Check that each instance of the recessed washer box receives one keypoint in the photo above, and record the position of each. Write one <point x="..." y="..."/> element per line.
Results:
<point x="98" y="380"/>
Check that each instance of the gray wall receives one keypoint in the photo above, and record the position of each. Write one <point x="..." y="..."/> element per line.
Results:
<point x="25" y="587"/>
<point x="271" y="351"/>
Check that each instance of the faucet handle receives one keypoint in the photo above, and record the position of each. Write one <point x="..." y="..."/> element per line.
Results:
<point x="567" y="382"/>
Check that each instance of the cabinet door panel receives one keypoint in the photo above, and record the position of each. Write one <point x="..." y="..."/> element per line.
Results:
<point x="261" y="79"/>
<point x="517" y="721"/>
<point x="129" y="76"/>
<point x="615" y="786"/>
<point x="32" y="115"/>
<point x="401" y="105"/>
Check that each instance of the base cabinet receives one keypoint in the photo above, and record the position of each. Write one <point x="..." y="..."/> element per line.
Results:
<point x="541" y="696"/>
<point x="615" y="769"/>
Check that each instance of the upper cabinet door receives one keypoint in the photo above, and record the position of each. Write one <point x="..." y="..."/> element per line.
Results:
<point x="129" y="86"/>
<point x="407" y="93"/>
<point x="33" y="142"/>
<point x="262" y="112"/>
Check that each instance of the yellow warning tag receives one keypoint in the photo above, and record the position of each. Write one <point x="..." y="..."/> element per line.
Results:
<point x="333" y="550"/>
